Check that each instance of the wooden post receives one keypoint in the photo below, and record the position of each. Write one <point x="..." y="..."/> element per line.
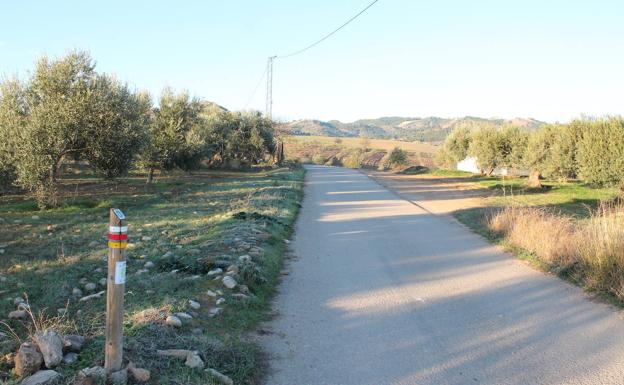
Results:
<point x="116" y="284"/>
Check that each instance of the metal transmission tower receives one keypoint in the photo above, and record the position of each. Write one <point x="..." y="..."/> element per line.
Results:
<point x="269" y="95"/>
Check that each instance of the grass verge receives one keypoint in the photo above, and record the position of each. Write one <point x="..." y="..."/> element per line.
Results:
<point x="180" y="228"/>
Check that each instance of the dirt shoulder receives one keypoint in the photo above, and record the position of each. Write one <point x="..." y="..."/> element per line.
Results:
<point x="435" y="194"/>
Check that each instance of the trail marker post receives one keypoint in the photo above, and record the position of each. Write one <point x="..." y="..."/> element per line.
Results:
<point x="116" y="284"/>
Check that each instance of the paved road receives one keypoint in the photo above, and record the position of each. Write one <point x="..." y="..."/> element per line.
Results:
<point x="384" y="293"/>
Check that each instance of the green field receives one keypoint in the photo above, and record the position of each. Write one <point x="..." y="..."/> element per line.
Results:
<point x="185" y="225"/>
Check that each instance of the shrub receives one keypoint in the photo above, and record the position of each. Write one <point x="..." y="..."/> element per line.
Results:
<point x="318" y="159"/>
<point x="354" y="159"/>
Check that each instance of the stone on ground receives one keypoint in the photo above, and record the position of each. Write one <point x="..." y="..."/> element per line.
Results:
<point x="51" y="346"/>
<point x="27" y="360"/>
<point x="222" y="378"/>
<point x="42" y="377"/>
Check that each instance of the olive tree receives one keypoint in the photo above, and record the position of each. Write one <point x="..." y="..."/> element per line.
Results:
<point x="600" y="152"/>
<point x="175" y="138"/>
<point x="455" y="147"/>
<point x="65" y="109"/>
<point x="486" y="148"/>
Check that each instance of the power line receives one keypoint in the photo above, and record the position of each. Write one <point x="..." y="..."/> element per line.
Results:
<point x="328" y="35"/>
<point x="256" y="88"/>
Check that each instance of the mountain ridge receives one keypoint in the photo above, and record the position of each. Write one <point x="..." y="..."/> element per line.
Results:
<point x="430" y="129"/>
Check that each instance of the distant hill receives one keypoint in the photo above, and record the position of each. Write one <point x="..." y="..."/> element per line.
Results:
<point x="430" y="129"/>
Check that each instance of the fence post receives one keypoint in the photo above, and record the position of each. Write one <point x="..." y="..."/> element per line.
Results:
<point x="116" y="284"/>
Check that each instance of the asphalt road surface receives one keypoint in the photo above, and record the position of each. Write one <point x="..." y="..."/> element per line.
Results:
<point x="383" y="292"/>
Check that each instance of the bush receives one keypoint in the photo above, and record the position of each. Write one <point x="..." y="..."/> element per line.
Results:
<point x="397" y="157"/>
<point x="354" y="159"/>
<point x="318" y="159"/>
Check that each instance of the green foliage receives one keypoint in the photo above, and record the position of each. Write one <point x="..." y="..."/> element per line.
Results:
<point x="486" y="147"/>
<point x="455" y="147"/>
<point x="12" y="112"/>
<point x="118" y="121"/>
<point x="552" y="151"/>
<point x="250" y="138"/>
<point x="397" y="157"/>
<point x="175" y="139"/>
<point x="600" y="152"/>
<point x="67" y="110"/>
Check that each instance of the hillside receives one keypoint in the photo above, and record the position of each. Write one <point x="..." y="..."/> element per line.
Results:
<point x="431" y="129"/>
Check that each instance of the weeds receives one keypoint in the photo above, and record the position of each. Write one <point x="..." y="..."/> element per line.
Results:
<point x="591" y="252"/>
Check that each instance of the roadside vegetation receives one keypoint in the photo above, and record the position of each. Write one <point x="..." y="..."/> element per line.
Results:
<point x="209" y="203"/>
<point x="567" y="215"/>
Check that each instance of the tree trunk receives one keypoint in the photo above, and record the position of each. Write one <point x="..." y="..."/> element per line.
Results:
<point x="150" y="175"/>
<point x="534" y="179"/>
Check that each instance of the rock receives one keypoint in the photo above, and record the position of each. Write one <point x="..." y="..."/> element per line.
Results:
<point x="42" y="377"/>
<point x="194" y="361"/>
<point x="244" y="258"/>
<point x="35" y="217"/>
<point x="18" y="300"/>
<point x="232" y="270"/>
<point x="222" y="378"/>
<point x="183" y="315"/>
<point x="167" y="254"/>
<point x="92" y="296"/>
<point x="61" y="311"/>
<point x="215" y="311"/>
<point x="51" y="346"/>
<point x="23" y="306"/>
<point x="244" y="289"/>
<point x="149" y="265"/>
<point x="93" y="244"/>
<point x="145" y="238"/>
<point x="286" y="241"/>
<point x="96" y="374"/>
<point x="211" y="293"/>
<point x="27" y="360"/>
<point x="194" y="304"/>
<point x="197" y="331"/>
<point x="229" y="282"/>
<point x="3" y="336"/>
<point x="193" y="251"/>
<point x="70" y="358"/>
<point x="17" y="314"/>
<point x="73" y="343"/>
<point x="139" y="374"/>
<point x="220" y="301"/>
<point x="215" y="272"/>
<point x="90" y="286"/>
<point x="102" y="282"/>
<point x="142" y="271"/>
<point x="240" y="296"/>
<point x="119" y="377"/>
<point x="77" y="292"/>
<point x="173" y="321"/>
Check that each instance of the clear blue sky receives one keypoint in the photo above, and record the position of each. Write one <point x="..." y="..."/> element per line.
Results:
<point x="547" y="59"/>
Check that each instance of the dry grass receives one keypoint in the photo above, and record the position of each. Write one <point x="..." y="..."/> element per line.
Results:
<point x="375" y="144"/>
<point x="591" y="251"/>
